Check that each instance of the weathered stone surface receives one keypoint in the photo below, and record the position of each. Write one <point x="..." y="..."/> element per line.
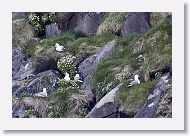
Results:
<point x="52" y="31"/>
<point x="136" y="22"/>
<point x="89" y="64"/>
<point x="18" y="15"/>
<point x="149" y="110"/>
<point x="106" y="107"/>
<point x="63" y="19"/>
<point x="47" y="79"/>
<point x="85" y="22"/>
<point x="17" y="109"/>
<point x="21" y="67"/>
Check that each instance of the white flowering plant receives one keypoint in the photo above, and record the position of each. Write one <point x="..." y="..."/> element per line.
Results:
<point x="66" y="64"/>
<point x="38" y="22"/>
<point x="34" y="20"/>
<point x="48" y="17"/>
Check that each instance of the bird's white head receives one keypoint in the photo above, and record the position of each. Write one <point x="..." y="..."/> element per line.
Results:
<point x="66" y="74"/>
<point x="136" y="77"/>
<point x="56" y="45"/>
<point x="44" y="90"/>
<point x="77" y="75"/>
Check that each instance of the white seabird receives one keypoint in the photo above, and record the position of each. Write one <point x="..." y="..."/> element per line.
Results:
<point x="59" y="47"/>
<point x="67" y="77"/>
<point x="42" y="94"/>
<point x="78" y="78"/>
<point x="26" y="66"/>
<point x="135" y="81"/>
<point x="150" y="105"/>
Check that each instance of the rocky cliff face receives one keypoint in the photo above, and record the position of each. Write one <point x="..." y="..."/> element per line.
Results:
<point x="109" y="49"/>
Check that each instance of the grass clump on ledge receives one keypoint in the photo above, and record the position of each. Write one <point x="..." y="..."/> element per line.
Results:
<point x="112" y="22"/>
<point x="134" y="98"/>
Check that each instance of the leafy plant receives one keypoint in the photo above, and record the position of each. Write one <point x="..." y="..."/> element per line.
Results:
<point x="66" y="64"/>
<point x="71" y="84"/>
<point x="48" y="17"/>
<point x="34" y="21"/>
<point x="38" y="22"/>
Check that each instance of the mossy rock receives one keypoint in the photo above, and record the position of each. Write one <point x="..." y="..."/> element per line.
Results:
<point x="22" y="33"/>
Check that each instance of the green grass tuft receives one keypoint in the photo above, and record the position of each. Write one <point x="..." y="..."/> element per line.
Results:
<point x="133" y="98"/>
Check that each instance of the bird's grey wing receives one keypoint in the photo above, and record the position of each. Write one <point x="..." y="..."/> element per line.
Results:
<point x="133" y="83"/>
<point x="80" y="81"/>
<point x="40" y="94"/>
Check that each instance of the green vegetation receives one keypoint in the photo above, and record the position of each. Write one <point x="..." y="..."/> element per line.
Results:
<point x="133" y="98"/>
<point x="158" y="17"/>
<point x="58" y="101"/>
<point x="66" y="64"/>
<point x="22" y="33"/>
<point x="135" y="54"/>
<point x="141" y="53"/>
<point x="112" y="22"/>
<point x="75" y="43"/>
<point x="97" y="41"/>
<point x="38" y="22"/>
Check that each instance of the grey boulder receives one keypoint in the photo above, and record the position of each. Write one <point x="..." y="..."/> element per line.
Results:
<point x="149" y="110"/>
<point x="136" y="22"/>
<point x="52" y="30"/>
<point x="21" y="66"/>
<point x="106" y="107"/>
<point x="88" y="66"/>
<point x="85" y="22"/>
<point x="47" y="79"/>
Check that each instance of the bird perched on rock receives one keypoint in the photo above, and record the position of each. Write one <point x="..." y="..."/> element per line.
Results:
<point x="42" y="94"/>
<point x="58" y="47"/>
<point x="67" y="77"/>
<point x="78" y="78"/>
<point x="26" y="66"/>
<point x="135" y="81"/>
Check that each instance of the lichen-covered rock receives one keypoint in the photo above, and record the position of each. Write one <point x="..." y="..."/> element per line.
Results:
<point x="22" y="33"/>
<point x="85" y="22"/>
<point x="87" y="67"/>
<point x="18" y="15"/>
<point x="52" y="31"/>
<point x="47" y="79"/>
<point x="62" y="19"/>
<point x="149" y="110"/>
<point x="21" y="66"/>
<point x="136" y="22"/>
<point x="106" y="107"/>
